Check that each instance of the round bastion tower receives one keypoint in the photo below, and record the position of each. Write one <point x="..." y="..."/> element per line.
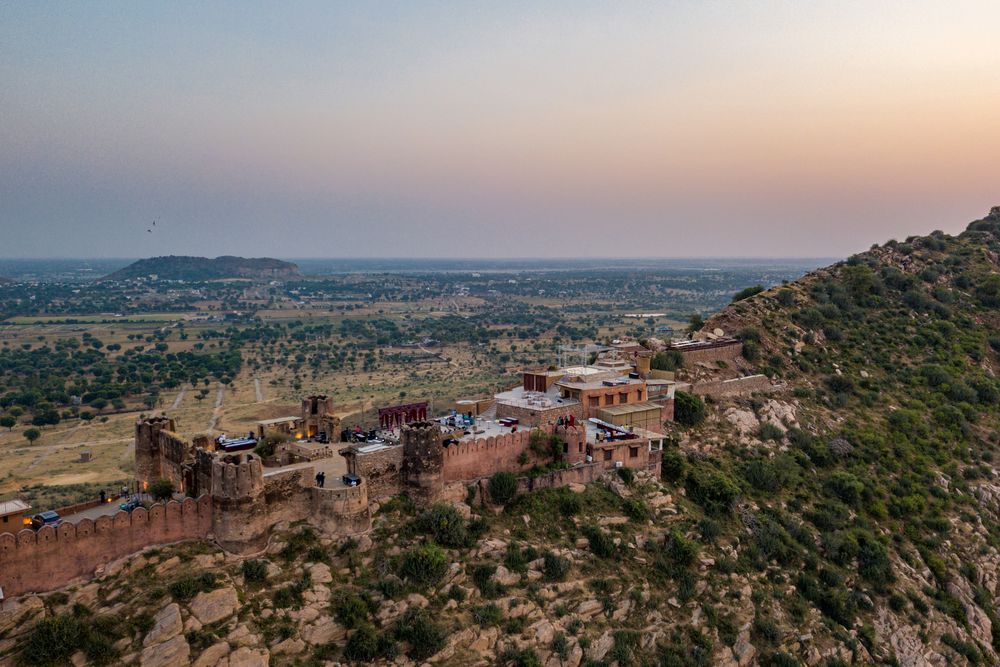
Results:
<point x="239" y="508"/>
<point x="423" y="461"/>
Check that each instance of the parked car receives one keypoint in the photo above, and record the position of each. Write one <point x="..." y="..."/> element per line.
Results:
<point x="130" y="504"/>
<point x="351" y="480"/>
<point x="49" y="518"/>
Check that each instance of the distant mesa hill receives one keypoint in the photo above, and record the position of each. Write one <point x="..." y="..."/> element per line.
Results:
<point x="175" y="267"/>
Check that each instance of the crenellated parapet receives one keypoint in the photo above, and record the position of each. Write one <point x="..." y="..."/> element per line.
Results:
<point x="237" y="477"/>
<point x="36" y="561"/>
<point x="240" y="507"/>
<point x="341" y="510"/>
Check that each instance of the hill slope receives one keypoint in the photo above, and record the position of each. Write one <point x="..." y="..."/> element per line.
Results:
<point x="179" y="267"/>
<point x="850" y="516"/>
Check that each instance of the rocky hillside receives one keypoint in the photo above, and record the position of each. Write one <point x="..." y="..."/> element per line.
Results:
<point x="852" y="516"/>
<point x="177" y="267"/>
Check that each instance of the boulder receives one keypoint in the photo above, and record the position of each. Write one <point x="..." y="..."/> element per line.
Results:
<point x="505" y="577"/>
<point x="211" y="656"/>
<point x="320" y="573"/>
<point x="171" y="653"/>
<point x="167" y="624"/>
<point x="247" y="657"/>
<point x="215" y="605"/>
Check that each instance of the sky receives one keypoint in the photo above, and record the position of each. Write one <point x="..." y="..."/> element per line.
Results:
<point x="503" y="129"/>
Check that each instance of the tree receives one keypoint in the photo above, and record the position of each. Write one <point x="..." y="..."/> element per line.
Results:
<point x="32" y="434"/>
<point x="696" y="322"/>
<point x="747" y="292"/>
<point x="161" y="489"/>
<point x="689" y="409"/>
<point x="668" y="360"/>
<point x="503" y="487"/>
<point x="8" y="422"/>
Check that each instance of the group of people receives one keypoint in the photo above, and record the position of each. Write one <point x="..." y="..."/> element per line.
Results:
<point x="321" y="479"/>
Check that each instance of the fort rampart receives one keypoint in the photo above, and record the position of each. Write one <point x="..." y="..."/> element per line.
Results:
<point x="49" y="558"/>
<point x="713" y="352"/>
<point x="732" y="387"/>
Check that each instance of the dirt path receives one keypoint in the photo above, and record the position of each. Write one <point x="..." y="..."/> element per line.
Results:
<point x="217" y="412"/>
<point x="257" y="390"/>
<point x="177" y="401"/>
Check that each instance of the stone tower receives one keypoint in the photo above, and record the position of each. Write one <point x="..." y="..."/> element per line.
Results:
<point x="423" y="461"/>
<point x="643" y="362"/>
<point x="318" y="417"/>
<point x="239" y="508"/>
<point x="147" y="447"/>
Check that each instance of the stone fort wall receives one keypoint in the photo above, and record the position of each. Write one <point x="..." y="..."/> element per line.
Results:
<point x="733" y="387"/>
<point x="724" y="352"/>
<point x="49" y="558"/>
<point x="534" y="416"/>
<point x="467" y="461"/>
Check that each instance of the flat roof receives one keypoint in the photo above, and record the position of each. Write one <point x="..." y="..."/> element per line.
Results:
<point x="629" y="408"/>
<point x="698" y="344"/>
<point x="599" y="384"/>
<point x="278" y="420"/>
<point x="13" y="507"/>
<point x="582" y="370"/>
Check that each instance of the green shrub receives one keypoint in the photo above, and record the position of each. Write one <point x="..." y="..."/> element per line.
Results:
<point x="424" y="565"/>
<point x="626" y="475"/>
<point x="601" y="544"/>
<point x="445" y="525"/>
<point x="161" y="489"/>
<point x="363" y="645"/>
<point x="712" y="489"/>
<point x="569" y="503"/>
<point x="351" y="610"/>
<point x="424" y="636"/>
<point x="678" y="551"/>
<point x="635" y="509"/>
<point x="503" y="487"/>
<point x="689" y="409"/>
<point x="52" y="640"/>
<point x="668" y="360"/>
<point x="845" y="486"/>
<point x="254" y="571"/>
<point x="556" y="567"/>
<point x="487" y="615"/>
<point x="186" y="587"/>
<point x="747" y="292"/>
<point x="673" y="466"/>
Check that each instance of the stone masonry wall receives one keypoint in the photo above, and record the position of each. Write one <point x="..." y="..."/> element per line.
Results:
<point x="381" y="471"/>
<point x="733" y="387"/>
<point x="49" y="558"/>
<point x="721" y="353"/>
<point x="467" y="461"/>
<point x="536" y="417"/>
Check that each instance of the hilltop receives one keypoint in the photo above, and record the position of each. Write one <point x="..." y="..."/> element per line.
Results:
<point x="179" y="267"/>
<point x="849" y="516"/>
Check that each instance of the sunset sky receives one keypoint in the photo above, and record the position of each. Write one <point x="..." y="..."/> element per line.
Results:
<point x="295" y="129"/>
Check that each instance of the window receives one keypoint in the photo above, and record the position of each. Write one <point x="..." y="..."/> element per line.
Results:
<point x="607" y="454"/>
<point x="565" y="448"/>
<point x="633" y="452"/>
<point x="623" y="397"/>
<point x="609" y="399"/>
<point x="594" y="401"/>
